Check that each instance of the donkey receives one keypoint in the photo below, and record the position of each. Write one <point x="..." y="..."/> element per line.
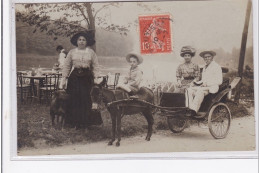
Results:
<point x="117" y="112"/>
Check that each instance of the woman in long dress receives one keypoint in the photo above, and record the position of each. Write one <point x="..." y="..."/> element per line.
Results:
<point x="80" y="68"/>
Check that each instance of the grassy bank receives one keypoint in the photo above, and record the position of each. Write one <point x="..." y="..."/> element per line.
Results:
<point x="34" y="126"/>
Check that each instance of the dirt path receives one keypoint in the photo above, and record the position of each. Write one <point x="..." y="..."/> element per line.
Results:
<point x="240" y="138"/>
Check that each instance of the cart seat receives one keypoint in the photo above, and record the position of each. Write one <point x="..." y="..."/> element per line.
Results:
<point x="208" y="100"/>
<point x="224" y="84"/>
<point x="178" y="99"/>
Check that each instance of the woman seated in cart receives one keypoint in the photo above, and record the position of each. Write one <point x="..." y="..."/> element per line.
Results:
<point x="133" y="79"/>
<point x="188" y="71"/>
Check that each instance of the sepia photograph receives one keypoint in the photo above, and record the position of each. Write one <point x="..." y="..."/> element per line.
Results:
<point x="133" y="77"/>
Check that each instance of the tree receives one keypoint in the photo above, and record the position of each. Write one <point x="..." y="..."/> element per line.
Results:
<point x="66" y="19"/>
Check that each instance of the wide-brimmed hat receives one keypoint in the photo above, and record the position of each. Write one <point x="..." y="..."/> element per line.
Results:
<point x="209" y="52"/>
<point x="187" y="50"/>
<point x="139" y="57"/>
<point x="88" y="35"/>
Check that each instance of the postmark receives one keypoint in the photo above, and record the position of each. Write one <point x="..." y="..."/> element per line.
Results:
<point x="155" y="34"/>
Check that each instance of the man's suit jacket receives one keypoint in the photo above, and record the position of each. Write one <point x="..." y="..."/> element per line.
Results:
<point x="212" y="77"/>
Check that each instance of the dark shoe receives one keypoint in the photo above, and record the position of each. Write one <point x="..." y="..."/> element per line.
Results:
<point x="131" y="93"/>
<point x="191" y="113"/>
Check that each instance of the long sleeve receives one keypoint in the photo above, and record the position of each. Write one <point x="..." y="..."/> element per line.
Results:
<point x="212" y="77"/>
<point x="67" y="65"/>
<point x="218" y="76"/>
<point x="197" y="72"/>
<point x="126" y="78"/>
<point x="179" y="73"/>
<point x="61" y="60"/>
<point x="137" y="79"/>
<point x="95" y="64"/>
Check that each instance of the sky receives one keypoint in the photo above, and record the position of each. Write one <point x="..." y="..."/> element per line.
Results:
<point x="201" y="24"/>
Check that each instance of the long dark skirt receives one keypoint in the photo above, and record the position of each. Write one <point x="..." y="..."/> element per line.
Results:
<point x="79" y="87"/>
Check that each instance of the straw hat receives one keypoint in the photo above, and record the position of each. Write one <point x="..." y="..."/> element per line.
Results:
<point x="187" y="50"/>
<point x="88" y="35"/>
<point x="209" y="52"/>
<point x="139" y="57"/>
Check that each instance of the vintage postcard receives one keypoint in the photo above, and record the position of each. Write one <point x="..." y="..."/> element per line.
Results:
<point x="134" y="77"/>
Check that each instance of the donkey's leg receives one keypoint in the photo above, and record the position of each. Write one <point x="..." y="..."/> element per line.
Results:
<point x="118" y="120"/>
<point x="118" y="117"/>
<point x="62" y="122"/>
<point x="149" y="117"/>
<point x="113" y="138"/>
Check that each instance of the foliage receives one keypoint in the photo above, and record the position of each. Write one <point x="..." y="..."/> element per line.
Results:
<point x="247" y="85"/>
<point x="107" y="43"/>
<point x="66" y="19"/>
<point x="232" y="59"/>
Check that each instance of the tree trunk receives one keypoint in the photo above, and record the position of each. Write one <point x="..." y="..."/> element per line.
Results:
<point x="91" y="22"/>
<point x="243" y="50"/>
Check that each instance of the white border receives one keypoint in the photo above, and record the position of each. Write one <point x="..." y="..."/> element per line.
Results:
<point x="11" y="110"/>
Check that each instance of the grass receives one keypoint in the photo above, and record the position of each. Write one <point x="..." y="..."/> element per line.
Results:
<point x="34" y="126"/>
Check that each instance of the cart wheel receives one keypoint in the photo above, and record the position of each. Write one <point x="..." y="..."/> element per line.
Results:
<point x="219" y="120"/>
<point x="176" y="125"/>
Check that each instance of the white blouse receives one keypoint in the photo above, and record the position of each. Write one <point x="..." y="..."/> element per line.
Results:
<point x="77" y="58"/>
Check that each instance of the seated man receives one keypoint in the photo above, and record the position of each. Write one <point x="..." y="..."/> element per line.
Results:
<point x="211" y="79"/>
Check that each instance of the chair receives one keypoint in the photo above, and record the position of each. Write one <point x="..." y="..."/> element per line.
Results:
<point x="116" y="79"/>
<point x="50" y="85"/>
<point x="23" y="89"/>
<point x="59" y="76"/>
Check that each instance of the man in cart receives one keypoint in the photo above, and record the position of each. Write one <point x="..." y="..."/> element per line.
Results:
<point x="211" y="78"/>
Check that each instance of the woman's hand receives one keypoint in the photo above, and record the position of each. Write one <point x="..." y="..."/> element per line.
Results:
<point x="98" y="80"/>
<point x="63" y="83"/>
<point x="192" y="84"/>
<point x="125" y="81"/>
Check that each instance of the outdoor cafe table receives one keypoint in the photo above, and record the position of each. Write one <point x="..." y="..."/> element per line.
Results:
<point x="40" y="78"/>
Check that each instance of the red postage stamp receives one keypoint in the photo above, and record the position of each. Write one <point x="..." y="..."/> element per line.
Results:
<point x="155" y="34"/>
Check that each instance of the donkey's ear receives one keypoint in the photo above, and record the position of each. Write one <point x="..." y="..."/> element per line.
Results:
<point x="104" y="82"/>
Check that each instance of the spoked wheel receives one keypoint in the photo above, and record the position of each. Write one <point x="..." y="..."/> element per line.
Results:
<point x="219" y="120"/>
<point x="176" y="125"/>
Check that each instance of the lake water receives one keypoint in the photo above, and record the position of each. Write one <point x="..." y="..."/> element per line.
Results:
<point x="152" y="69"/>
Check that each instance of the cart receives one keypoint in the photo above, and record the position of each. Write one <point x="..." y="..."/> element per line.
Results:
<point x="214" y="110"/>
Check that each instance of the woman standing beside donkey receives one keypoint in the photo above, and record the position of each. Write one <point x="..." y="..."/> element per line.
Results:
<point x="79" y="72"/>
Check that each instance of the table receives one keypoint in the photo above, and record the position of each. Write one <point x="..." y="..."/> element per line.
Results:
<point x="32" y="78"/>
<point x="23" y="72"/>
<point x="50" y="71"/>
